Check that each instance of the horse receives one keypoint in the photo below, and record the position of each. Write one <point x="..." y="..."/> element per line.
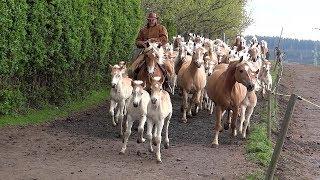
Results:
<point x="121" y="90"/>
<point x="159" y="114"/>
<point x="240" y="43"/>
<point x="227" y="87"/>
<point x="192" y="79"/>
<point x="264" y="50"/>
<point x="153" y="58"/>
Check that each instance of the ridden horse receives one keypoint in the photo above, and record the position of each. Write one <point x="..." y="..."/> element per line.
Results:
<point x="192" y="79"/>
<point x="151" y="66"/>
<point x="227" y="87"/>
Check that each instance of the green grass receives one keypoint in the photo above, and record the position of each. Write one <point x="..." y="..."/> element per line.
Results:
<point x="259" y="148"/>
<point x="49" y="113"/>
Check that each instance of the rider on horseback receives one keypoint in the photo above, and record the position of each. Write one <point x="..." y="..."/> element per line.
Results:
<point x="152" y="32"/>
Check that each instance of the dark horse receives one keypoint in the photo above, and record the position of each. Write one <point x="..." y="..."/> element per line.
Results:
<point x="150" y="68"/>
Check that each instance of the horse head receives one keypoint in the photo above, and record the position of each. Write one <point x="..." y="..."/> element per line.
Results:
<point x="137" y="92"/>
<point x="197" y="57"/>
<point x="156" y="88"/>
<point x="246" y="74"/>
<point x="116" y="74"/>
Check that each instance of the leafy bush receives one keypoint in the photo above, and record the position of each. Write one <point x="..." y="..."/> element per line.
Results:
<point x="56" y="51"/>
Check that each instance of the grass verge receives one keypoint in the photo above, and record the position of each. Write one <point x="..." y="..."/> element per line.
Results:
<point x="259" y="148"/>
<point x="49" y="113"/>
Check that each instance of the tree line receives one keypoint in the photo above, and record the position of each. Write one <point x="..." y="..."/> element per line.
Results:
<point x="300" y="51"/>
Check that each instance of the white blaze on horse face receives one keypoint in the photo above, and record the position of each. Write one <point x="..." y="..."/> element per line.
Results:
<point x="199" y="53"/>
<point x="136" y="93"/>
<point x="155" y="94"/>
<point x="116" y="76"/>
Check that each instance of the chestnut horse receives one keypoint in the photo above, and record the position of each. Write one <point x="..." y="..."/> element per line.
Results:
<point x="192" y="79"/>
<point x="227" y="87"/>
<point x="151" y="66"/>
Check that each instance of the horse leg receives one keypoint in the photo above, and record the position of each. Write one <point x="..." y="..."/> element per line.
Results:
<point x="211" y="106"/>
<point x="242" y="117"/>
<point x="247" y="121"/>
<point x="184" y="106"/>
<point x="141" y="129"/>
<point x="196" y="99"/>
<point x="121" y="110"/>
<point x="235" y="112"/>
<point x="159" y="125"/>
<point x="228" y="122"/>
<point x="166" y="140"/>
<point x="218" y="127"/>
<point x="149" y="133"/>
<point x="113" y="105"/>
<point x="174" y="83"/>
<point x="129" y="124"/>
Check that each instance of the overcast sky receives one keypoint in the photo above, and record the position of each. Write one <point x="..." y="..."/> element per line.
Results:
<point x="298" y="18"/>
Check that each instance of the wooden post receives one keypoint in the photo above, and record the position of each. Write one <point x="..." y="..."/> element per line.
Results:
<point x="283" y="132"/>
<point x="269" y="115"/>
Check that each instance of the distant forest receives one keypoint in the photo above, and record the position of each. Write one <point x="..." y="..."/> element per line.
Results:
<point x="300" y="51"/>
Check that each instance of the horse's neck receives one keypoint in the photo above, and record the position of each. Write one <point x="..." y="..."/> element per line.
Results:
<point x="230" y="79"/>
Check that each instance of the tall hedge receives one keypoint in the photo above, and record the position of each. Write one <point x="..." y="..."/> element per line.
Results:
<point x="55" y="51"/>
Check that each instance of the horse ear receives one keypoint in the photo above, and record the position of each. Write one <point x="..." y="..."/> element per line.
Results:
<point x="257" y="71"/>
<point x="159" y="45"/>
<point x="110" y="66"/>
<point x="241" y="59"/>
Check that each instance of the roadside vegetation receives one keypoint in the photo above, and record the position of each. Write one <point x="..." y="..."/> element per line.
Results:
<point x="259" y="147"/>
<point x="49" y="113"/>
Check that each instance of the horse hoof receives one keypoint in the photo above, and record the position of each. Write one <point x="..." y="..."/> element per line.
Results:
<point x="226" y="126"/>
<point x="141" y="140"/>
<point x="194" y="113"/>
<point x="159" y="161"/>
<point x="114" y="124"/>
<point x="150" y="150"/>
<point x="138" y="153"/>
<point x="121" y="152"/>
<point x="154" y="142"/>
<point x="166" y="145"/>
<point x="118" y="136"/>
<point x="184" y="120"/>
<point x="214" y="145"/>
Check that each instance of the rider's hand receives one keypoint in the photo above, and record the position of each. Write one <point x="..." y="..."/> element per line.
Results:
<point x="142" y="44"/>
<point x="153" y="40"/>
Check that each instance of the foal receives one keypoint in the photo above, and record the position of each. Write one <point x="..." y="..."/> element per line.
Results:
<point x="137" y="106"/>
<point x="159" y="112"/>
<point x="120" y="92"/>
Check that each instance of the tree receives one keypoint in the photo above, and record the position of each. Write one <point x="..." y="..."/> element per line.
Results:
<point x="207" y="17"/>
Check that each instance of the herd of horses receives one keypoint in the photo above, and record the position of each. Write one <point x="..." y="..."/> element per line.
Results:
<point x="209" y="74"/>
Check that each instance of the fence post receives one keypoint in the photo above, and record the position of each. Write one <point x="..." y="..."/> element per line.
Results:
<point x="283" y="132"/>
<point x="269" y="114"/>
<point x="277" y="80"/>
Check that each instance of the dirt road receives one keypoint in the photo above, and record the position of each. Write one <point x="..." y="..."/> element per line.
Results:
<point x="85" y="146"/>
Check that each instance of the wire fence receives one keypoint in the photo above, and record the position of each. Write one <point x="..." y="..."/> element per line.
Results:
<point x="285" y="125"/>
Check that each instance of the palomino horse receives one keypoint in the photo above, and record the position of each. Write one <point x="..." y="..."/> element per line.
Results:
<point x="227" y="87"/>
<point x="151" y="66"/>
<point x="192" y="79"/>
<point x="121" y="90"/>
<point x="159" y="114"/>
<point x="240" y="43"/>
<point x="264" y="50"/>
